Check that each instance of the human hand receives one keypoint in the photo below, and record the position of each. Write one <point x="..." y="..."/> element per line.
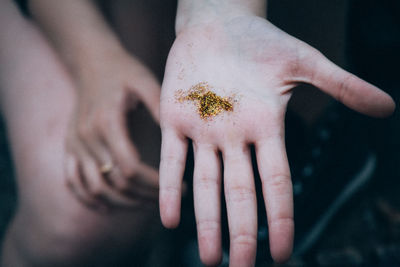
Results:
<point x="103" y="167"/>
<point x="255" y="66"/>
<point x="102" y="164"/>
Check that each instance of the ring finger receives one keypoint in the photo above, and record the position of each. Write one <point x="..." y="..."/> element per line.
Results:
<point x="241" y="205"/>
<point x="104" y="160"/>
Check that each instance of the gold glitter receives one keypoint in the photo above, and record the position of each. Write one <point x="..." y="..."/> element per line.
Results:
<point x="209" y="104"/>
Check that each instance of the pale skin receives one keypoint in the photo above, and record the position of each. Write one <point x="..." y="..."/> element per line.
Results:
<point x="52" y="225"/>
<point x="106" y="79"/>
<point x="231" y="46"/>
<point x="38" y="127"/>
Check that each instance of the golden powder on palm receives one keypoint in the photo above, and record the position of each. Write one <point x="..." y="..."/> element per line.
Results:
<point x="209" y="104"/>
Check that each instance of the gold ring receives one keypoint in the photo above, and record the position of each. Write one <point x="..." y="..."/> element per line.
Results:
<point x="106" y="168"/>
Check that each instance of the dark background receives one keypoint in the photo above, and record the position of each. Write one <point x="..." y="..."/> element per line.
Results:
<point x="363" y="37"/>
<point x="360" y="36"/>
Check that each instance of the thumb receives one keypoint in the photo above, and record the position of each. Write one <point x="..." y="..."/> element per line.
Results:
<point x="347" y="88"/>
<point x="148" y="91"/>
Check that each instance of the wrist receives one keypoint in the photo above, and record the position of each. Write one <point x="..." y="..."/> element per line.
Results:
<point x="194" y="12"/>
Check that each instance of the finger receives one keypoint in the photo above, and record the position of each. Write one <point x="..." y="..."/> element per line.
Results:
<point x="277" y="190"/>
<point x="103" y="186"/>
<point x="101" y="190"/>
<point x="207" y="190"/>
<point x="139" y="187"/>
<point x="172" y="166"/>
<point x="116" y="138"/>
<point x="100" y="153"/>
<point x="74" y="182"/>
<point x="147" y="176"/>
<point x="149" y="90"/>
<point x="347" y="88"/>
<point x="117" y="199"/>
<point x="241" y="206"/>
<point x="92" y="179"/>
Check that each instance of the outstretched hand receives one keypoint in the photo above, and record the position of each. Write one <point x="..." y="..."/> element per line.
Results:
<point x="253" y="64"/>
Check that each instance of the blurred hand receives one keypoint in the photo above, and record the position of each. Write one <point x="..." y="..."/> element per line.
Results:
<point x="258" y="65"/>
<point x="103" y="167"/>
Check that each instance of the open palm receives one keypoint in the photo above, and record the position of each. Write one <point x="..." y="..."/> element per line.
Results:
<point x="254" y="65"/>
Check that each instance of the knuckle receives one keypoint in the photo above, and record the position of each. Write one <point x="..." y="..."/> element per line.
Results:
<point x="207" y="226"/>
<point x="244" y="239"/>
<point x="170" y="190"/>
<point x="172" y="159"/>
<point x="104" y="121"/>
<point x="280" y="183"/>
<point x="276" y="225"/>
<point x="343" y="88"/>
<point x="240" y="194"/>
<point x="293" y="67"/>
<point x="282" y="221"/>
<point x="207" y="229"/>
<point x="313" y="72"/>
<point x="205" y="182"/>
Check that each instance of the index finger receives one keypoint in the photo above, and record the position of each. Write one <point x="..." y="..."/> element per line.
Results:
<point x="116" y="138"/>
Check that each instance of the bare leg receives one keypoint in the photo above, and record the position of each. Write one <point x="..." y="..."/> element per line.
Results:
<point x="50" y="227"/>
